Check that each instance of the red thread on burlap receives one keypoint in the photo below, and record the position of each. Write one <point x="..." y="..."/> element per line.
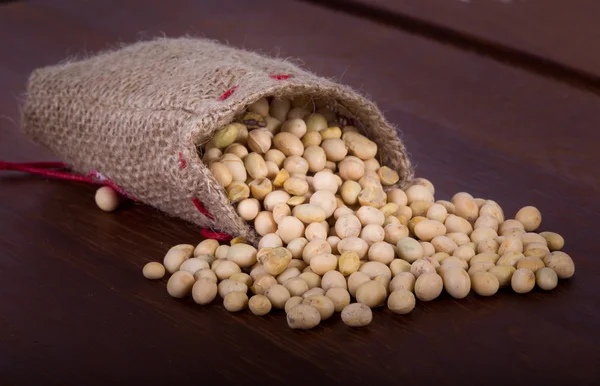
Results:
<point x="207" y="233"/>
<point x="201" y="208"/>
<point x="182" y="163"/>
<point x="280" y="76"/>
<point x="227" y="93"/>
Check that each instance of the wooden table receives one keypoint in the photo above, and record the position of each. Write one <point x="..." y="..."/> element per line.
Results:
<point x="74" y="308"/>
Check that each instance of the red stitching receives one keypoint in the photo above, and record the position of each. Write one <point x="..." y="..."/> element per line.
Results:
<point x="182" y="163"/>
<point x="201" y="208"/>
<point x="280" y="76"/>
<point x="227" y="93"/>
<point x="208" y="234"/>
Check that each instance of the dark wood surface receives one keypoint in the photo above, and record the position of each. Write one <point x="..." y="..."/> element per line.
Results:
<point x="74" y="308"/>
<point x="565" y="32"/>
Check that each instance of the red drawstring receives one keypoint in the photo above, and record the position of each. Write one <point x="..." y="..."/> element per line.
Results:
<point x="201" y="208"/>
<point x="44" y="169"/>
<point x="41" y="168"/>
<point x="208" y="234"/>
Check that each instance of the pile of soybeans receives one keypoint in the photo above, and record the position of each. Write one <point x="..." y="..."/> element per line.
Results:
<point x="339" y="236"/>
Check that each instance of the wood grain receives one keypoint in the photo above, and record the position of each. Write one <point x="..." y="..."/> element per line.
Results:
<point x="564" y="35"/>
<point x="74" y="308"/>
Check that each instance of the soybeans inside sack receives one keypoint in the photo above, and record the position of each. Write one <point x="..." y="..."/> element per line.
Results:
<point x="338" y="235"/>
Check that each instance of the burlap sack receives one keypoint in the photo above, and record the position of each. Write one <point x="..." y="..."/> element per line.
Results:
<point x="136" y="114"/>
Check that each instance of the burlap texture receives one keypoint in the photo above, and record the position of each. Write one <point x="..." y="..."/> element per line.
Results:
<point x="129" y="114"/>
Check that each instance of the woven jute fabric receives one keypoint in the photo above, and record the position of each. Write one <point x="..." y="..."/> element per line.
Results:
<point x="135" y="114"/>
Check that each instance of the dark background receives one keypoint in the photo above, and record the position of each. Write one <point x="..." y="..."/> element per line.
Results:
<point x="497" y="99"/>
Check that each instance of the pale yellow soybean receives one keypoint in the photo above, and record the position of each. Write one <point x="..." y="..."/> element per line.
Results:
<point x="107" y="199"/>
<point x="176" y="256"/>
<point x="339" y="296"/>
<point x="295" y="126"/>
<point x="261" y="187"/>
<point x="221" y="173"/>
<point x="522" y="281"/>
<point x="371" y="293"/>
<point x="153" y="270"/>
<point x="394" y="232"/>
<point x="275" y="156"/>
<point x="503" y="273"/>
<point x="207" y="274"/>
<point x="308" y="213"/>
<point x="262" y="283"/>
<point x="403" y="280"/>
<point x="193" y="265"/>
<point x="555" y="241"/>
<point x="180" y="284"/>
<point x="397" y="266"/>
<point x="259" y="305"/>
<point x="238" y="149"/>
<point x="546" y="279"/>
<point x="298" y="112"/>
<point x="351" y="168"/>
<point x="397" y="196"/>
<point x="486" y="221"/>
<point x="288" y="144"/>
<point x="357" y="315"/>
<point x="484" y="283"/>
<point x="428" y="229"/>
<point x="248" y="208"/>
<point x="455" y="223"/>
<point x="530" y="217"/>
<point x="382" y="252"/>
<point x="355" y="280"/>
<point x="531" y="263"/>
<point x="324" y="180"/>
<point x="278" y="295"/>
<point x="288" y="273"/>
<point x="279" y="108"/>
<point x="409" y="249"/>
<point x="428" y="286"/>
<point x="270" y="240"/>
<point x="561" y="263"/>
<point x="401" y="302"/>
<point x="312" y="138"/>
<point x="354" y="244"/>
<point x="315" y="156"/>
<point x="510" y="258"/>
<point x="316" y="122"/>
<point x="204" y="291"/>
<point x="303" y="316"/>
<point x="235" y="301"/>
<point x="387" y="176"/>
<point x="255" y="165"/>
<point x="466" y="208"/>
<point x="322" y="303"/>
<point x="418" y="193"/>
<point x="243" y="255"/>
<point x="296" y="165"/>
<point x="260" y="141"/>
<point x="211" y="155"/>
<point x="359" y="145"/>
